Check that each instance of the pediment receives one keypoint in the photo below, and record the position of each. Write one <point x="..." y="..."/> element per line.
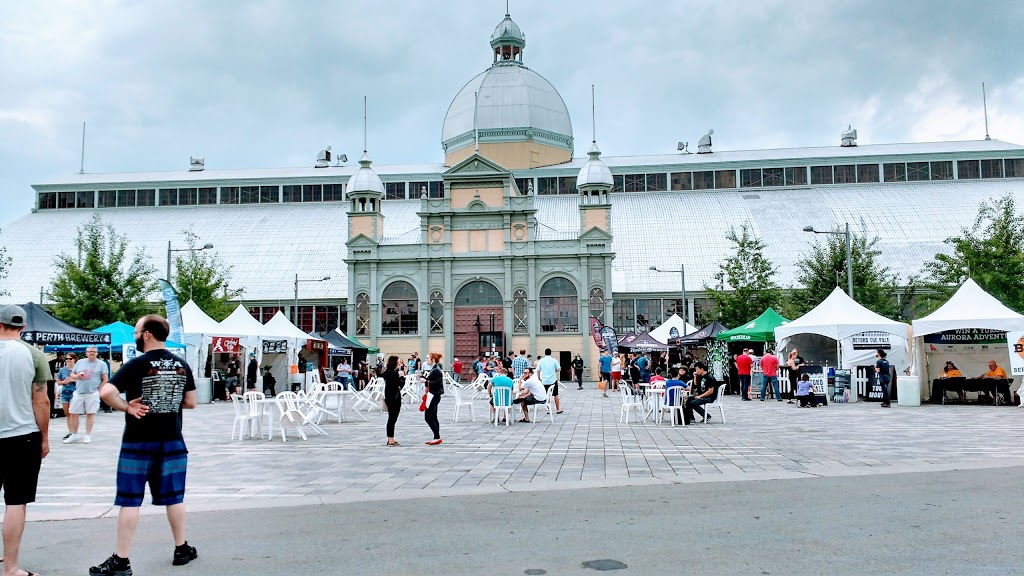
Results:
<point x="596" y="233"/>
<point x="361" y="241"/>
<point x="476" y="165"/>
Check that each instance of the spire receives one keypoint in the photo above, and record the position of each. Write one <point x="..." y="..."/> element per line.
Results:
<point x="508" y="42"/>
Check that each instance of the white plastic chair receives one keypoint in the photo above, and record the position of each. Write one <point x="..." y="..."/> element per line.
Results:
<point x="479" y="386"/>
<point x="254" y="411"/>
<point x="630" y="401"/>
<point x="459" y="402"/>
<point x="242" y="417"/>
<point x="502" y="403"/>
<point x="293" y="416"/>
<point x="716" y="404"/>
<point x="548" y="404"/>
<point x="678" y="401"/>
<point x="316" y="402"/>
<point x="411" y="390"/>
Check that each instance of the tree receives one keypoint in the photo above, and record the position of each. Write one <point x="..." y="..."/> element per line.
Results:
<point x="201" y="277"/>
<point x="5" y="263"/>
<point x="746" y="281"/>
<point x="101" y="285"/>
<point x="991" y="252"/>
<point x="824" y="268"/>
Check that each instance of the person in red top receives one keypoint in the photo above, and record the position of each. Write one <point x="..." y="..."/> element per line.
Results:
<point x="743" y="364"/>
<point x="770" y="368"/>
<point x="457" y="370"/>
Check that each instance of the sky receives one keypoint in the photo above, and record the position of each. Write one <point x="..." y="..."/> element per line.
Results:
<point x="264" y="84"/>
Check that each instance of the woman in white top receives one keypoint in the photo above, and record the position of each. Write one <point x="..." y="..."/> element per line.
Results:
<point x="616" y="370"/>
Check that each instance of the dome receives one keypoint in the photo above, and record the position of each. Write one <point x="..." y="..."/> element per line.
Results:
<point x="365" y="179"/>
<point x="594" y="172"/>
<point x="508" y="31"/>
<point x="511" y="101"/>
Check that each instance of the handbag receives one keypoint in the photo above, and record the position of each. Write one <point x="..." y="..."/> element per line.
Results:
<point x="423" y="404"/>
<point x="600" y="384"/>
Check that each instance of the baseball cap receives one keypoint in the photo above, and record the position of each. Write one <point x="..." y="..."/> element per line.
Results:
<point x="12" y="315"/>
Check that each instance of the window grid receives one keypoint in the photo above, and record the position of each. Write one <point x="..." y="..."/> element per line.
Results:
<point x="519" y="315"/>
<point x="436" y="313"/>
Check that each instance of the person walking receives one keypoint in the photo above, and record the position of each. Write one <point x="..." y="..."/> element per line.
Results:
<point x="770" y="369"/>
<point x="393" y="382"/>
<point x="883" y="371"/>
<point x="67" y="388"/>
<point x="457" y="371"/>
<point x="616" y="370"/>
<point x="605" y="362"/>
<point x="435" y="388"/>
<point x="24" y="427"/>
<point x="157" y="386"/>
<point x="577" y="369"/>
<point x="89" y="374"/>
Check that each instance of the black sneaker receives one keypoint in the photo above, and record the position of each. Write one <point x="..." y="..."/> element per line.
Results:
<point x="113" y="566"/>
<point x="184" y="554"/>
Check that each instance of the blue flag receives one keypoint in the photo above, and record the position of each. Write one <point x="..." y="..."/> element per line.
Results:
<point x="173" y="311"/>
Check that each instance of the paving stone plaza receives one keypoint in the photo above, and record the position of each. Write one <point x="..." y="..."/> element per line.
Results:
<point x="585" y="447"/>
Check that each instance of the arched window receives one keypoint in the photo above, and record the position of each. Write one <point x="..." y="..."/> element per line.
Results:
<point x="597" y="304"/>
<point x="559" y="306"/>
<point x="520" y="323"/>
<point x="362" y="314"/>
<point x="478" y="293"/>
<point x="399" y="309"/>
<point x="436" y="313"/>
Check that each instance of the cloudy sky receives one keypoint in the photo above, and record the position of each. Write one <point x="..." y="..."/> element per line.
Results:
<point x="269" y="83"/>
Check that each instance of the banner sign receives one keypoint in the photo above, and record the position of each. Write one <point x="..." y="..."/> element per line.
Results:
<point x="173" y="311"/>
<point x="129" y="352"/>
<point x="610" y="340"/>
<point x="275" y="346"/>
<point x="40" y="337"/>
<point x="595" y="331"/>
<point x="818" y="379"/>
<point x="316" y="345"/>
<point x="224" y="344"/>
<point x="872" y="341"/>
<point x="967" y="336"/>
<point x="1015" y="342"/>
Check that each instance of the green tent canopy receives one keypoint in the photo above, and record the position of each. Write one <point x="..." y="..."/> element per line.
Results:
<point x="760" y="329"/>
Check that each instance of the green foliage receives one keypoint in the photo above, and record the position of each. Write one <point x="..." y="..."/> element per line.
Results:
<point x="874" y="285"/>
<point x="5" y="263"/>
<point x="991" y="252"/>
<point x="101" y="284"/>
<point x="201" y="277"/>
<point x="746" y="281"/>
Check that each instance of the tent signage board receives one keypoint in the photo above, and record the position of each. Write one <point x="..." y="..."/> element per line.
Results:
<point x="966" y="336"/>
<point x="275" y="346"/>
<point x="225" y="344"/>
<point x="41" y="337"/>
<point x="872" y="341"/>
<point x="1015" y="342"/>
<point x="818" y="380"/>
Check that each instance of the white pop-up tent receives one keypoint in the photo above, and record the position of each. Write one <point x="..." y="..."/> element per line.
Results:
<point x="857" y="332"/>
<point x="280" y="364"/>
<point x="199" y="329"/>
<point x="968" y="330"/>
<point x="664" y="332"/>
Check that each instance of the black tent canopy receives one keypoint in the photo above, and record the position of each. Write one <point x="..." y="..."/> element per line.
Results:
<point x="700" y="336"/>
<point x="42" y="328"/>
<point x="642" y="342"/>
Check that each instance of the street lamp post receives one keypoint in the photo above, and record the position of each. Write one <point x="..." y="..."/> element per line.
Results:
<point x="295" y="307"/>
<point x="682" y="278"/>
<point x="849" y="253"/>
<point x="206" y="246"/>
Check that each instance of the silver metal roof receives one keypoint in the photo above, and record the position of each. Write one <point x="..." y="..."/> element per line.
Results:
<point x="594" y="170"/>
<point x="510" y="96"/>
<point x="267" y="244"/>
<point x="365" y="179"/>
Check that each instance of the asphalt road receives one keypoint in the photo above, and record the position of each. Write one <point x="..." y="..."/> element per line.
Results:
<point x="962" y="522"/>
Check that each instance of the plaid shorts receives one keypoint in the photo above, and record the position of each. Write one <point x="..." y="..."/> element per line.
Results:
<point x="162" y="465"/>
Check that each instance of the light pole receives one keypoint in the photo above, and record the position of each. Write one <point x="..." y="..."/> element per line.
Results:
<point x="682" y="278"/>
<point x="295" y="308"/>
<point x="206" y="246"/>
<point x="849" y="253"/>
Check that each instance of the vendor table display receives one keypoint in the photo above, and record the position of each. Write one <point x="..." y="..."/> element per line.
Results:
<point x="996" y="386"/>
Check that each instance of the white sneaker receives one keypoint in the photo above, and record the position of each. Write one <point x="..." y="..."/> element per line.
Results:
<point x="71" y="439"/>
<point x="86" y="439"/>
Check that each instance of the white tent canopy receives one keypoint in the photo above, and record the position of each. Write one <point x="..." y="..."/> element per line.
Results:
<point x="970" y="307"/>
<point x="198" y="327"/>
<point x="280" y="326"/>
<point x="195" y="321"/>
<point x="241" y="324"/>
<point x="664" y="332"/>
<point x="839" y="317"/>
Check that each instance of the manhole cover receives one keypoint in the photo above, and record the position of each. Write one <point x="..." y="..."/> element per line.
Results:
<point x="603" y="565"/>
<point x="534" y="572"/>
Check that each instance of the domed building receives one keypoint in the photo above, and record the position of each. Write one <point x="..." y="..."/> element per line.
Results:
<point x="508" y="112"/>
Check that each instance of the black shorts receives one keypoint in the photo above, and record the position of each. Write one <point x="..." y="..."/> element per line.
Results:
<point x="528" y="401"/>
<point x="19" y="467"/>
<point x="547" y="388"/>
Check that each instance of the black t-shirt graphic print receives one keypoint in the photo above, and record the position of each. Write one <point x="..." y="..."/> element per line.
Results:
<point x="161" y="380"/>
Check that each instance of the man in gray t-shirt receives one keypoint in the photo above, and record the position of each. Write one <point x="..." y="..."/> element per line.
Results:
<point x="89" y="374"/>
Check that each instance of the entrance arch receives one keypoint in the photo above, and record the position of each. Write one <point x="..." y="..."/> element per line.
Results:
<point x="479" y="323"/>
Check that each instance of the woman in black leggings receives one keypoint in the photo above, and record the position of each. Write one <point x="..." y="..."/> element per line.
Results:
<point x="393" y="382"/>
<point x="435" y="386"/>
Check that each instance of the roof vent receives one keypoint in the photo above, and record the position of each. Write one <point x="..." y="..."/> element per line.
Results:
<point x="323" y="159"/>
<point x="704" y="145"/>
<point x="684" y="147"/>
<point x="849" y="137"/>
<point x="196" y="164"/>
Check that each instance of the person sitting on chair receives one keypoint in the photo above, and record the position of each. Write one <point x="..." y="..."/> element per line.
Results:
<point x="995" y="372"/>
<point x="532" y="393"/>
<point x="950" y="371"/>
<point x="704" y="389"/>
<point x="805" y="392"/>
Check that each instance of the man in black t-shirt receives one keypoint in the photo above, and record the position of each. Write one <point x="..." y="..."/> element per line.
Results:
<point x="157" y="386"/>
<point x="702" y="392"/>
